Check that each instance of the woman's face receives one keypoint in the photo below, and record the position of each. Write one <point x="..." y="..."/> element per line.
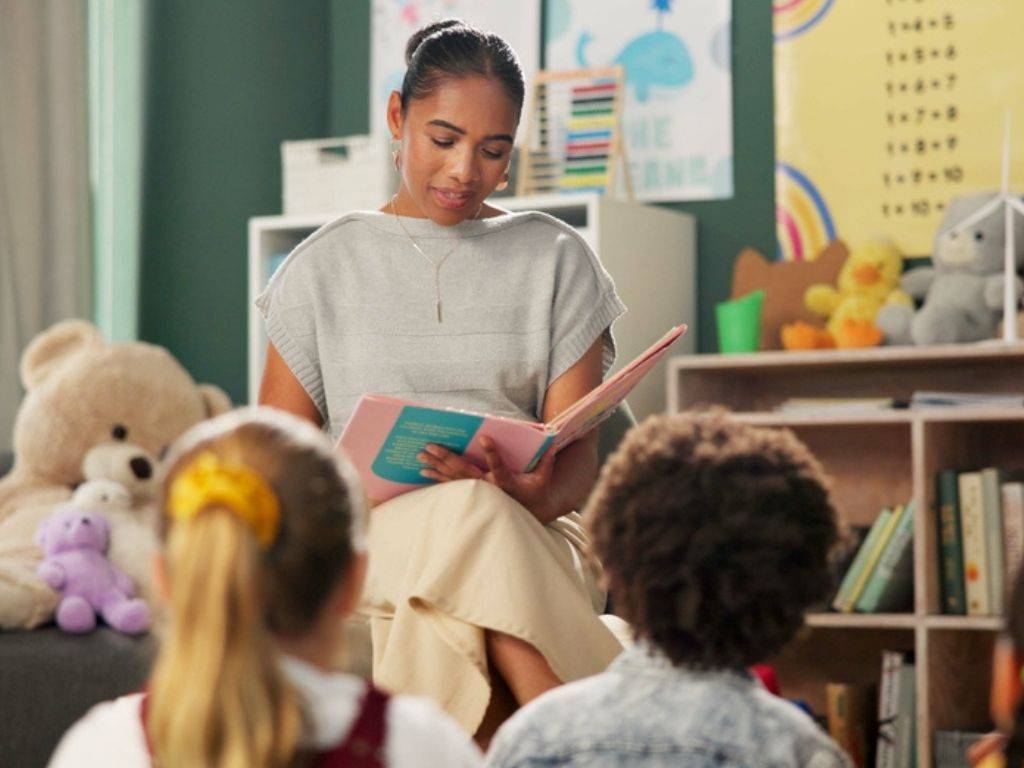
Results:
<point x="456" y="144"/>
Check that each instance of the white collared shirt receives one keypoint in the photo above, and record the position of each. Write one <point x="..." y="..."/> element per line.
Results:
<point x="418" y="733"/>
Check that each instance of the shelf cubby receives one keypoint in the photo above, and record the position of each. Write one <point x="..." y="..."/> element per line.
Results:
<point x="877" y="458"/>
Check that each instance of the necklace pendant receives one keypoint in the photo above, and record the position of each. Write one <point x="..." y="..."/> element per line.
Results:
<point x="439" y="310"/>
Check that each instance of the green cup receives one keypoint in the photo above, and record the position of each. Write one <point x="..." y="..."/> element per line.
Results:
<point x="739" y="323"/>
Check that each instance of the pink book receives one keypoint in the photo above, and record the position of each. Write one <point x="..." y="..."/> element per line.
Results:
<point x="384" y="435"/>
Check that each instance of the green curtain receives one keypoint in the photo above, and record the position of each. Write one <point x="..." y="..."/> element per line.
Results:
<point x="117" y="64"/>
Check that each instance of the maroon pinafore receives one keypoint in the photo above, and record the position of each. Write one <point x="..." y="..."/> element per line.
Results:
<point x="362" y="748"/>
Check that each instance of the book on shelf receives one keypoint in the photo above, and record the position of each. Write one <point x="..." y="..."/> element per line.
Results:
<point x="850" y="717"/>
<point x="951" y="555"/>
<point x="1012" y="496"/>
<point x="966" y="400"/>
<point x="384" y="435"/>
<point x="992" y="510"/>
<point x="897" y="727"/>
<point x="906" y="714"/>
<point x="980" y="523"/>
<point x="890" y="587"/>
<point x="951" y="748"/>
<point x="838" y="405"/>
<point x="856" y="577"/>
<point x="842" y="596"/>
<point x="972" y="523"/>
<point x="852" y="541"/>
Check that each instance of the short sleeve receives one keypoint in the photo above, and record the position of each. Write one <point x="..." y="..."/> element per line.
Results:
<point x="584" y="306"/>
<point x="288" y="309"/>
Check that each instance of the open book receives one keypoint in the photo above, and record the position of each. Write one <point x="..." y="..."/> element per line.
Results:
<point x="384" y="434"/>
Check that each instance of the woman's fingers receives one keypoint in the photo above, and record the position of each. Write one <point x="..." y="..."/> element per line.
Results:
<point x="445" y="465"/>
<point x="494" y="463"/>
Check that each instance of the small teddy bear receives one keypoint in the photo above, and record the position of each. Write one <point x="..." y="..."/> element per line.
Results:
<point x="74" y="541"/>
<point x="962" y="292"/>
<point x="102" y="495"/>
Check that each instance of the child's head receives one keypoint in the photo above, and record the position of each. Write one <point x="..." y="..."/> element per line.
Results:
<point x="456" y="117"/>
<point x="263" y="547"/>
<point x="715" y="537"/>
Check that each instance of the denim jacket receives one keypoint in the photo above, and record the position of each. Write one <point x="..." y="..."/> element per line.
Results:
<point x="643" y="711"/>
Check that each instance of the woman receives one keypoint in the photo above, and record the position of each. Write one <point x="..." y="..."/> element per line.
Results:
<point x="480" y="581"/>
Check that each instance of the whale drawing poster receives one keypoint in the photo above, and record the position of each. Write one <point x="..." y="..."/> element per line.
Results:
<point x="677" y="116"/>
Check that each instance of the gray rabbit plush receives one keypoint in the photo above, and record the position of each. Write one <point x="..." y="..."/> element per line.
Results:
<point x="963" y="289"/>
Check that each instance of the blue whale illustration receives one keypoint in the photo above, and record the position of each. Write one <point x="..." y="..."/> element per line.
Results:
<point x="656" y="58"/>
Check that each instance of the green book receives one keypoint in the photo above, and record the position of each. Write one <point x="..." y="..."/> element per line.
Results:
<point x="842" y="597"/>
<point x="951" y="543"/>
<point x="891" y="586"/>
<point x="872" y="561"/>
<point x="906" y="717"/>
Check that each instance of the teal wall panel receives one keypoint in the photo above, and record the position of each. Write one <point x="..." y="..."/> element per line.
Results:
<point x="227" y="82"/>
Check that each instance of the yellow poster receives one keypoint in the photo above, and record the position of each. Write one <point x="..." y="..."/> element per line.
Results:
<point x="885" y="109"/>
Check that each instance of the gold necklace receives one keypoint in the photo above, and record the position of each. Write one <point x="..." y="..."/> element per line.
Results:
<point x="435" y="264"/>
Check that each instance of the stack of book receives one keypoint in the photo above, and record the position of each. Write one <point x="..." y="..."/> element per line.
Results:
<point x="877" y="726"/>
<point x="838" y="405"/>
<point x="980" y="520"/>
<point x="965" y="400"/>
<point x="880" y="578"/>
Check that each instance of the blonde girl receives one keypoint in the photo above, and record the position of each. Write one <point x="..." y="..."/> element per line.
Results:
<point x="263" y="561"/>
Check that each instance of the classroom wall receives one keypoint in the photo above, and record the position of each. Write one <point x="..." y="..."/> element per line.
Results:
<point x="229" y="80"/>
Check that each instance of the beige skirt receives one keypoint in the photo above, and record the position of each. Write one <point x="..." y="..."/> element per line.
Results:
<point x="455" y="559"/>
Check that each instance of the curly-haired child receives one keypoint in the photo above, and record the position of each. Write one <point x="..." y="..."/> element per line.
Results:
<point x="715" y="537"/>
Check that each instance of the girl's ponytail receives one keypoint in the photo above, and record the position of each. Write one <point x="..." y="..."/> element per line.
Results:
<point x="262" y="521"/>
<point x="217" y="695"/>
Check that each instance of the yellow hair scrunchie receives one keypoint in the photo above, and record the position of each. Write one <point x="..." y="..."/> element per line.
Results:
<point x="208" y="481"/>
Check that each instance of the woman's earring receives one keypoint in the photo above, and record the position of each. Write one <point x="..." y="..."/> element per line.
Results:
<point x="396" y="153"/>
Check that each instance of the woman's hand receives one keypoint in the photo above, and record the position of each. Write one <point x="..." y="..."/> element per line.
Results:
<point x="531" y="489"/>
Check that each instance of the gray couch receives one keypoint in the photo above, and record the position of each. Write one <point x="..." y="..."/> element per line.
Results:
<point x="49" y="679"/>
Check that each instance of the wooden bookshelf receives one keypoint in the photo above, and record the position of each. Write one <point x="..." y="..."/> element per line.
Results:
<point x="879" y="458"/>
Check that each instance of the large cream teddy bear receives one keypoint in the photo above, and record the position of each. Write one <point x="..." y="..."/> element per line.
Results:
<point x="93" y="411"/>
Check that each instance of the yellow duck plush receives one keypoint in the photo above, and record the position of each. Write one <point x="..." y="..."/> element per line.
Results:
<point x="867" y="281"/>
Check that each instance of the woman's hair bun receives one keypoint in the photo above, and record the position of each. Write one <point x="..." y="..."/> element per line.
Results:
<point x="423" y="33"/>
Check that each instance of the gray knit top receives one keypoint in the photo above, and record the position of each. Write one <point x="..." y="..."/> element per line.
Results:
<point x="352" y="310"/>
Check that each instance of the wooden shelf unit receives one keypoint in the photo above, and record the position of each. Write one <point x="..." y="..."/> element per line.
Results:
<point x="879" y="458"/>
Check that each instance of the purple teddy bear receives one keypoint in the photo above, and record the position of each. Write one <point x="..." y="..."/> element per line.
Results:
<point x="74" y="541"/>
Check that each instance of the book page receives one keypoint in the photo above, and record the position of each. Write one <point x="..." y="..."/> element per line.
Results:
<point x="597" y="405"/>
<point x="397" y="459"/>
